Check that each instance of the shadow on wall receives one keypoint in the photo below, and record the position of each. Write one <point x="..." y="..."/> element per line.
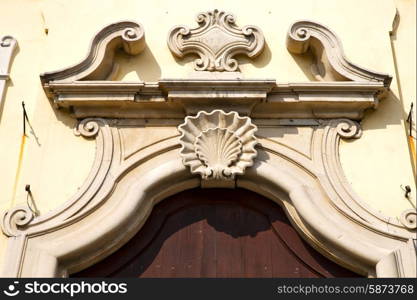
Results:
<point x="390" y="110"/>
<point x="144" y="65"/>
<point x="187" y="59"/>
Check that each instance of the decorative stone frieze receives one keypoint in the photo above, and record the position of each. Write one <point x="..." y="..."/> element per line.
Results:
<point x="218" y="145"/>
<point x="217" y="40"/>
<point x="296" y="162"/>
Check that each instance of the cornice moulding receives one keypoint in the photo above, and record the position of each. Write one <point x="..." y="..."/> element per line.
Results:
<point x="262" y="98"/>
<point x="330" y="60"/>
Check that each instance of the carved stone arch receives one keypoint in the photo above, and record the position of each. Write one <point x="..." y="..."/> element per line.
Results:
<point x="120" y="194"/>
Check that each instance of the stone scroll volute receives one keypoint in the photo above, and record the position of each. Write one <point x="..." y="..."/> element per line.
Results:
<point x="218" y="146"/>
<point x="215" y="146"/>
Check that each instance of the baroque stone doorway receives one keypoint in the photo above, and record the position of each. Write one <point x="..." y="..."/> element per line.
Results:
<point x="156" y="139"/>
<point x="216" y="233"/>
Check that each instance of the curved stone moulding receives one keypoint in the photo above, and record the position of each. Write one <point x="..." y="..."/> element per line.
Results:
<point x="409" y="218"/>
<point x="99" y="64"/>
<point x="218" y="145"/>
<point x="331" y="63"/>
<point x="216" y="41"/>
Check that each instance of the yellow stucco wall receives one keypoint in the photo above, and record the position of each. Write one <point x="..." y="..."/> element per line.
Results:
<point x="55" y="165"/>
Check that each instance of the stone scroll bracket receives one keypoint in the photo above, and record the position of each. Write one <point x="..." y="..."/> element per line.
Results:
<point x="217" y="40"/>
<point x="217" y="147"/>
<point x="23" y="221"/>
<point x="99" y="62"/>
<point x="339" y="188"/>
<point x="330" y="61"/>
<point x="8" y="46"/>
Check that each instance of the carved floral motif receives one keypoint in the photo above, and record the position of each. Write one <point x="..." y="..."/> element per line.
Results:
<point x="218" y="145"/>
<point x="216" y="41"/>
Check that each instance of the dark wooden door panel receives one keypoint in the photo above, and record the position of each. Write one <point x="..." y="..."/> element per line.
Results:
<point x="216" y="233"/>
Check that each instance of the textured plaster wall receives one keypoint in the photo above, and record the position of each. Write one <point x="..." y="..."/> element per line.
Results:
<point x="56" y="34"/>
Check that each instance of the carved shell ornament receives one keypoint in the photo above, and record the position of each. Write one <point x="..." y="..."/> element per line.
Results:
<point x="218" y="145"/>
<point x="216" y="41"/>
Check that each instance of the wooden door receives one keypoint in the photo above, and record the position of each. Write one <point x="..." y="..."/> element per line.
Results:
<point x="216" y="233"/>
